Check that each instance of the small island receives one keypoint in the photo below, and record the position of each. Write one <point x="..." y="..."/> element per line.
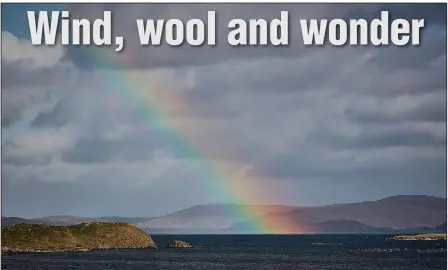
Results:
<point x="179" y="244"/>
<point x="430" y="236"/>
<point x="33" y="238"/>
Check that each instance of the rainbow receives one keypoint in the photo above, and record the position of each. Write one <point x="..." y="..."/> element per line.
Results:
<point x="154" y="107"/>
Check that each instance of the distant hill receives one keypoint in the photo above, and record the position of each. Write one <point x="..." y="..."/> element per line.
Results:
<point x="61" y="220"/>
<point x="65" y="220"/>
<point x="404" y="213"/>
<point x="441" y="227"/>
<point x="347" y="226"/>
<point x="411" y="211"/>
<point x="392" y="213"/>
<point x="129" y="220"/>
<point x="208" y="217"/>
<point x="332" y="226"/>
<point x="9" y="221"/>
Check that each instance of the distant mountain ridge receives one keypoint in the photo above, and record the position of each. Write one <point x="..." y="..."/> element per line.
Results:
<point x="391" y="213"/>
<point x="67" y="220"/>
<point x="397" y="213"/>
<point x="210" y="216"/>
<point x="442" y="227"/>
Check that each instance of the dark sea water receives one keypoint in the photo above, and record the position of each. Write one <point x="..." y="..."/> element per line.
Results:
<point x="253" y="252"/>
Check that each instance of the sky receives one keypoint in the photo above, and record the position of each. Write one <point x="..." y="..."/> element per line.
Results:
<point x="91" y="132"/>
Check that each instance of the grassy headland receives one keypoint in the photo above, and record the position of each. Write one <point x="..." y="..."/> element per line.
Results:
<point x="429" y="236"/>
<point x="83" y="237"/>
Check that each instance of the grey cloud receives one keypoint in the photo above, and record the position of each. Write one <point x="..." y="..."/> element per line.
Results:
<point x="396" y="82"/>
<point x="367" y="180"/>
<point x="11" y="115"/>
<point x="129" y="149"/>
<point x="253" y="116"/>
<point x="434" y="12"/>
<point x="95" y="197"/>
<point x="411" y="56"/>
<point x="8" y="157"/>
<point x="21" y="73"/>
<point x="387" y="139"/>
<point x="89" y="151"/>
<point x="37" y="199"/>
<point x="136" y="56"/>
<point x="54" y="117"/>
<point x="432" y="110"/>
<point x="314" y="121"/>
<point x="25" y="87"/>
<point x="428" y="114"/>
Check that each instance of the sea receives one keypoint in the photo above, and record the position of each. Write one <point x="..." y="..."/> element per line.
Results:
<point x="253" y="252"/>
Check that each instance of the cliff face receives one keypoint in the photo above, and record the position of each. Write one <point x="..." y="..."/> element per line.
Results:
<point x="82" y="237"/>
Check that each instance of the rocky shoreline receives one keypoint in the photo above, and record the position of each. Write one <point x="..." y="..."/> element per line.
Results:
<point x="8" y="251"/>
<point x="420" y="237"/>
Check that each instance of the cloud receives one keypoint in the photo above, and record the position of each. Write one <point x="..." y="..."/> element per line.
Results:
<point x="37" y="146"/>
<point x="302" y="120"/>
<point x="30" y="76"/>
<point x="104" y="150"/>
<point x="137" y="56"/>
<point x="422" y="108"/>
<point x="244" y="104"/>
<point x="22" y="52"/>
<point x="159" y="164"/>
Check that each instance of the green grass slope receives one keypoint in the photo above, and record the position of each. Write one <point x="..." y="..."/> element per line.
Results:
<point x="82" y="237"/>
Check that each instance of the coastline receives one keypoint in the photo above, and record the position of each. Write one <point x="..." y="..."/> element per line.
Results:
<point x="84" y="237"/>
<point x="421" y="237"/>
<point x="8" y="251"/>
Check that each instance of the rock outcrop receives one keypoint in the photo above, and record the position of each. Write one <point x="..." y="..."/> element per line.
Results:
<point x="179" y="244"/>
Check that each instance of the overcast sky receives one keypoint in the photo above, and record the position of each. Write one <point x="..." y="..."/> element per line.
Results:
<point x="323" y="125"/>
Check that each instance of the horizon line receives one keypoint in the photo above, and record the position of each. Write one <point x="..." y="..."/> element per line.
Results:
<point x="224" y="204"/>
